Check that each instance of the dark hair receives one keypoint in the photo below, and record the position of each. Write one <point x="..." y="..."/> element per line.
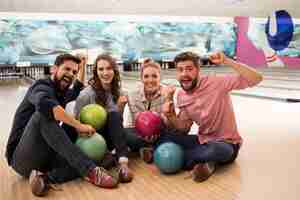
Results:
<point x="188" y="56"/>
<point x="95" y="82"/>
<point x="64" y="57"/>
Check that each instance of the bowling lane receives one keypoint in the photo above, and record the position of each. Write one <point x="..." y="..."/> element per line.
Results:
<point x="269" y="93"/>
<point x="270" y="130"/>
<point x="10" y="96"/>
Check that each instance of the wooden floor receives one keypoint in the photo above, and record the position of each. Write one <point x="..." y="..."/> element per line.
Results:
<point x="267" y="167"/>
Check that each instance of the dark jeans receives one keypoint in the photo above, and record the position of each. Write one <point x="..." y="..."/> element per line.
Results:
<point x="134" y="142"/>
<point x="114" y="134"/>
<point x="45" y="146"/>
<point x="218" y="152"/>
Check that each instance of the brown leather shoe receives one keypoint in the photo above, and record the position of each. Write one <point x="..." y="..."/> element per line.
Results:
<point x="125" y="174"/>
<point x="146" y="154"/>
<point x="202" y="171"/>
<point x="38" y="184"/>
<point x="100" y="177"/>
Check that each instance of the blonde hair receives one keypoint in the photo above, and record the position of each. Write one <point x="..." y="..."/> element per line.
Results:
<point x="149" y="62"/>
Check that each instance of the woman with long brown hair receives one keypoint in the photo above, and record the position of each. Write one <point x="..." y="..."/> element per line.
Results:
<point x="104" y="88"/>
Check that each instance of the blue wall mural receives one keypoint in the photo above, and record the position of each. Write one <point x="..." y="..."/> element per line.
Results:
<point x="40" y="41"/>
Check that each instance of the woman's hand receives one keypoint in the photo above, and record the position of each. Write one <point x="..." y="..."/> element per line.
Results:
<point x="168" y="92"/>
<point x="122" y="102"/>
<point x="168" y="109"/>
<point x="150" y="139"/>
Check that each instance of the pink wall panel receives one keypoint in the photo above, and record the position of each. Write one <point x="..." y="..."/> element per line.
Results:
<point x="247" y="53"/>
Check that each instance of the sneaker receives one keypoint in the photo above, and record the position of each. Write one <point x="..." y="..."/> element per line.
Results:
<point x="146" y="153"/>
<point x="100" y="177"/>
<point x="125" y="173"/>
<point x="109" y="161"/>
<point x="202" y="171"/>
<point x="38" y="183"/>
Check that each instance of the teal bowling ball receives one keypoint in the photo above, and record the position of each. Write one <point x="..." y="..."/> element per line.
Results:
<point x="168" y="157"/>
<point x="94" y="146"/>
<point x="94" y="115"/>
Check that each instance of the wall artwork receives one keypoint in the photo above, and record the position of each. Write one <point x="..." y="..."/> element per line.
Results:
<point x="277" y="37"/>
<point x="40" y="41"/>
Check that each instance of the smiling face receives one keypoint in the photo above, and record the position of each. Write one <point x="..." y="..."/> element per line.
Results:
<point x="65" y="74"/>
<point x="151" y="79"/>
<point x="105" y="73"/>
<point x="187" y="74"/>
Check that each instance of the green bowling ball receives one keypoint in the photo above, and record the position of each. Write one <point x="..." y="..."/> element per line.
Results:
<point x="94" y="115"/>
<point x="94" y="146"/>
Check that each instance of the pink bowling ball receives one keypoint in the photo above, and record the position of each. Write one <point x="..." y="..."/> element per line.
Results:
<point x="148" y="123"/>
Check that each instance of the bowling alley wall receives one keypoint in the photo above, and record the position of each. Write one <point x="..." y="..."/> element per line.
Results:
<point x="254" y="48"/>
<point x="37" y="38"/>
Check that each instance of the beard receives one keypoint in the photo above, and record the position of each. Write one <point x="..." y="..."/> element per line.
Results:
<point x="191" y="87"/>
<point x="62" y="84"/>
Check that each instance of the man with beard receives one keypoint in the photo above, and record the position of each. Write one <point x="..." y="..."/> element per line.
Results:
<point x="206" y="101"/>
<point x="38" y="147"/>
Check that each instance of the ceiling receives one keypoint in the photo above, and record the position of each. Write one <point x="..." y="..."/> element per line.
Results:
<point x="224" y="8"/>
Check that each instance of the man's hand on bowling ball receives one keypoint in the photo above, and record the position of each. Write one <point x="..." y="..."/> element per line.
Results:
<point x="85" y="130"/>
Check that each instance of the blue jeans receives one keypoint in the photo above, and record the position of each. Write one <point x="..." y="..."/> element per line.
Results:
<point x="218" y="152"/>
<point x="46" y="146"/>
<point x="134" y="142"/>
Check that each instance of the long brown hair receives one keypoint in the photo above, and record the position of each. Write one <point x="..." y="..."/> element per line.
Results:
<point x="95" y="82"/>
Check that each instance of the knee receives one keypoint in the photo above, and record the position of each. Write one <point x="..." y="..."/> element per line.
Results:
<point x="165" y="138"/>
<point x="20" y="169"/>
<point x="37" y="117"/>
<point x="224" y="153"/>
<point x="41" y="118"/>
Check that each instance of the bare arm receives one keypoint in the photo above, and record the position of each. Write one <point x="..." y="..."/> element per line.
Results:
<point x="244" y="70"/>
<point x="60" y="115"/>
<point x="82" y="66"/>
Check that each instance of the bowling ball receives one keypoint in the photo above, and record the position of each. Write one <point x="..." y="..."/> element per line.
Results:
<point x="168" y="157"/>
<point x="148" y="123"/>
<point x="94" y="115"/>
<point x="94" y="146"/>
<point x="284" y="30"/>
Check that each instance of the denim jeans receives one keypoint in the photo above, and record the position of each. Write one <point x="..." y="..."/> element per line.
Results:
<point x="114" y="134"/>
<point x="218" y="152"/>
<point x="134" y="142"/>
<point x="46" y="146"/>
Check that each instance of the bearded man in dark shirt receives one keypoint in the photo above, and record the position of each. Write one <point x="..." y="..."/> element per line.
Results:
<point x="38" y="146"/>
